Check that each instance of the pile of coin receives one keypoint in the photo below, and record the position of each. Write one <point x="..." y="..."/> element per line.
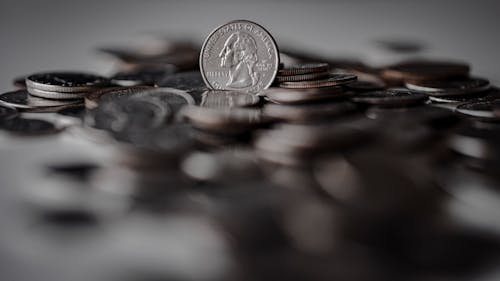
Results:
<point x="247" y="163"/>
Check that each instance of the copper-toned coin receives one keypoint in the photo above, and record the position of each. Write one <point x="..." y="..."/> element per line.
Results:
<point x="456" y="87"/>
<point x="418" y="70"/>
<point x="390" y="97"/>
<point x="302" y="77"/>
<point x="332" y="80"/>
<point x="295" y="96"/>
<point x="19" y="83"/>
<point x="305" y="68"/>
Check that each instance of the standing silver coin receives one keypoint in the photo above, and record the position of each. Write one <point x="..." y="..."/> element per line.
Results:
<point x="240" y="55"/>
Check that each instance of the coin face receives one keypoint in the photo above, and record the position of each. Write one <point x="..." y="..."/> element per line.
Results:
<point x="240" y="55"/>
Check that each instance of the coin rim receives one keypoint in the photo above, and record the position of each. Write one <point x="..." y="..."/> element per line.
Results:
<point x="65" y="89"/>
<point x="275" y="45"/>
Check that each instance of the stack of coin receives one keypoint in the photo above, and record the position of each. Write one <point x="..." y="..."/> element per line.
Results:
<point x="302" y="72"/>
<point x="63" y="85"/>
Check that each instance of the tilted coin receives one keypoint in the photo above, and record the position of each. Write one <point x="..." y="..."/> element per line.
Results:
<point x="65" y="81"/>
<point x="21" y="100"/>
<point x="304" y="68"/>
<point x="240" y="55"/>
<point x="456" y="87"/>
<point x="296" y="96"/>
<point x="302" y="77"/>
<point x="28" y="127"/>
<point x="308" y="112"/>
<point x="390" y="97"/>
<point x="7" y="112"/>
<point x="224" y="99"/>
<point x="421" y="70"/>
<point x="482" y="109"/>
<point x="93" y="99"/>
<point x="332" y="80"/>
<point x="57" y="95"/>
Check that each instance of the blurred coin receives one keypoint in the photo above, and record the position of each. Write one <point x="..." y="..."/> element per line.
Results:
<point x="93" y="99"/>
<point x="302" y="77"/>
<point x="222" y="99"/>
<point x="186" y="81"/>
<point x="19" y="82"/>
<point x="366" y="85"/>
<point x="65" y="82"/>
<point x="482" y="109"/>
<point x="296" y="96"/>
<point x="308" y="112"/>
<point x="240" y="55"/>
<point x="21" y="100"/>
<point x="73" y="111"/>
<point x="139" y="77"/>
<point x="57" y="95"/>
<point x="390" y="97"/>
<point x="305" y="68"/>
<point x="28" y="127"/>
<point x="7" y="112"/>
<point x="174" y="99"/>
<point x="132" y="114"/>
<point x="476" y="142"/>
<point x="424" y="70"/>
<point x="231" y="119"/>
<point x="332" y="80"/>
<point x="457" y="87"/>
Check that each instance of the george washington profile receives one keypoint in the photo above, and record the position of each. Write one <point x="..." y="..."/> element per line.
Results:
<point x="240" y="55"/>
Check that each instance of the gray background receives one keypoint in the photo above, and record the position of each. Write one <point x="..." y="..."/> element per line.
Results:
<point x="60" y="35"/>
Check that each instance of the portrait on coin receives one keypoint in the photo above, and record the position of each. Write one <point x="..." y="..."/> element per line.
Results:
<point x="239" y="53"/>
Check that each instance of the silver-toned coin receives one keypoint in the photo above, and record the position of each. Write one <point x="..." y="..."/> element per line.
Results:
<point x="56" y="95"/>
<point x="65" y="82"/>
<point x="133" y="114"/>
<point x="174" y="99"/>
<point x="481" y="109"/>
<point x="240" y="55"/>
<point x="224" y="99"/>
<point x="450" y="87"/>
<point x="93" y="99"/>
<point x="391" y="97"/>
<point x="21" y="100"/>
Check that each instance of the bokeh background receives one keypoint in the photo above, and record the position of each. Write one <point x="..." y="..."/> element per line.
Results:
<point x="60" y="35"/>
